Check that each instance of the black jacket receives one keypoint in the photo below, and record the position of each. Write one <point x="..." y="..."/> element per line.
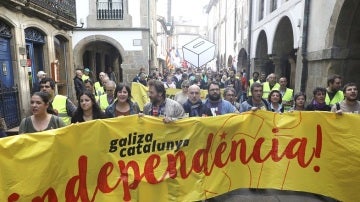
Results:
<point x="79" y="86"/>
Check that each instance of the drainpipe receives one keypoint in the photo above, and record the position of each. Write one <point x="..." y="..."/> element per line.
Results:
<point x="304" y="72"/>
<point x="149" y="38"/>
<point x="225" y="21"/>
<point x="249" y="37"/>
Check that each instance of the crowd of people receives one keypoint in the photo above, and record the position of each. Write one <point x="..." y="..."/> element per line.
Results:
<point x="227" y="92"/>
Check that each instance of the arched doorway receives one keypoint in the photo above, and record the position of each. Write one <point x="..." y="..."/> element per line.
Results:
<point x="60" y="67"/>
<point x="283" y="53"/>
<point x="98" y="55"/>
<point x="9" y="97"/>
<point x="242" y="60"/>
<point x="262" y="62"/>
<point x="35" y="40"/>
<point x="345" y="59"/>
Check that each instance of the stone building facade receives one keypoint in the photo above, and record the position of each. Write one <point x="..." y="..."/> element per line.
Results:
<point x="117" y="34"/>
<point x="34" y="35"/>
<point x="304" y="40"/>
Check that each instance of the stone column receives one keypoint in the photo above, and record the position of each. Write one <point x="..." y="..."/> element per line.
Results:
<point x="259" y="65"/>
<point x="277" y="63"/>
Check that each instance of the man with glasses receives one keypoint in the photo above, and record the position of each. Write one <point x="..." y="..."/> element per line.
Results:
<point x="109" y="97"/>
<point x="230" y="95"/>
<point x="61" y="104"/>
<point x="215" y="103"/>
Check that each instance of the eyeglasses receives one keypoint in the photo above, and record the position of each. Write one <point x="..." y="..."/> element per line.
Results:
<point x="45" y="86"/>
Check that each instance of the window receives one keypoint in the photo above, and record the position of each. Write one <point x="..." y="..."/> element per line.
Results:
<point x="110" y="9"/>
<point x="273" y="5"/>
<point x="261" y="10"/>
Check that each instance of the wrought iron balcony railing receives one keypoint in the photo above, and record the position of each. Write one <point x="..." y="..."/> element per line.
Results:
<point x="110" y="10"/>
<point x="63" y="8"/>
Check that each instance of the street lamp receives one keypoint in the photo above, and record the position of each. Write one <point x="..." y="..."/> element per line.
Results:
<point x="168" y="27"/>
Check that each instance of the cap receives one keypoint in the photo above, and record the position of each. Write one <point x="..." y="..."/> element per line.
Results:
<point x="40" y="73"/>
<point x="87" y="70"/>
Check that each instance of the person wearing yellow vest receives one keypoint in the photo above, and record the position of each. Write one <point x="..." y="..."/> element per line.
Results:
<point x="86" y="76"/>
<point x="99" y="84"/>
<point x="270" y="85"/>
<point x="90" y="87"/>
<point x="286" y="93"/>
<point x="108" y="98"/>
<point x="253" y="80"/>
<point x="61" y="104"/>
<point x="333" y="92"/>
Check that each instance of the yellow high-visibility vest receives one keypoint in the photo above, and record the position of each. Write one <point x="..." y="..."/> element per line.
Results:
<point x="288" y="95"/>
<point x="98" y="88"/>
<point x="267" y="90"/>
<point x="339" y="96"/>
<point x="84" y="77"/>
<point x="103" y="102"/>
<point x="59" y="104"/>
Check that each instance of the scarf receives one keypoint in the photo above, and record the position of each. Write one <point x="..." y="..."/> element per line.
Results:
<point x="195" y="109"/>
<point x="318" y="105"/>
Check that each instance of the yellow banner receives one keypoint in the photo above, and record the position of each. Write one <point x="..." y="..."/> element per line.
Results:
<point x="142" y="159"/>
<point x="139" y="94"/>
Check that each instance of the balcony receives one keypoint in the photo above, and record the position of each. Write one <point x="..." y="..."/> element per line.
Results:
<point x="60" y="13"/>
<point x="110" y="10"/>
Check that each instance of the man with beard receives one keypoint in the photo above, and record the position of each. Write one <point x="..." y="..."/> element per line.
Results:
<point x="194" y="106"/>
<point x="235" y="83"/>
<point x="161" y="106"/>
<point x="350" y="104"/>
<point x="333" y="92"/>
<point x="215" y="103"/>
<point x="255" y="101"/>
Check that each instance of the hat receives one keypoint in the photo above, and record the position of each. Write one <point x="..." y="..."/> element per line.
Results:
<point x="87" y="70"/>
<point x="40" y="73"/>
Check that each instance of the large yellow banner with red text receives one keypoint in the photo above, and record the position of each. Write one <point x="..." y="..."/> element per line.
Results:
<point x="142" y="159"/>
